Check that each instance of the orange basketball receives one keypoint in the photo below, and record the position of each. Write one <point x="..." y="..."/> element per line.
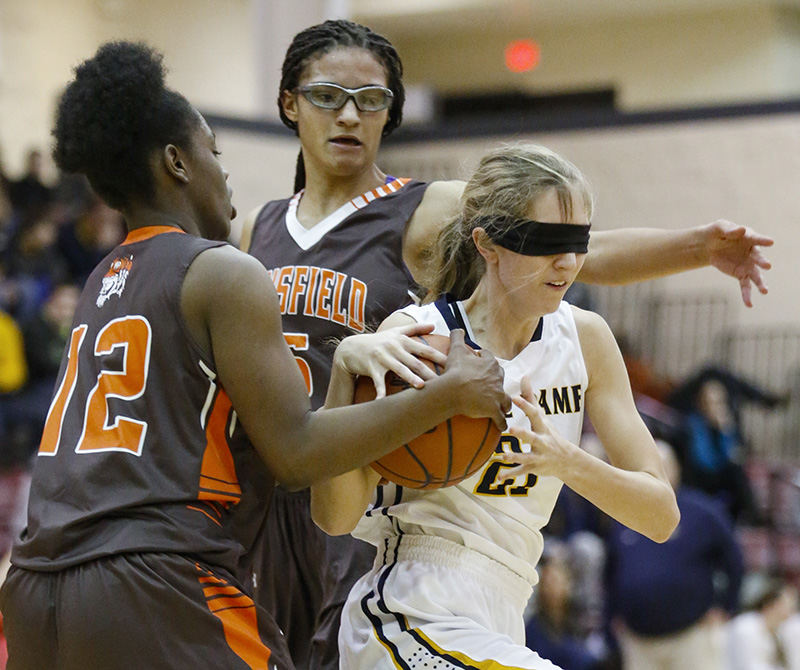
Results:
<point x="446" y="454"/>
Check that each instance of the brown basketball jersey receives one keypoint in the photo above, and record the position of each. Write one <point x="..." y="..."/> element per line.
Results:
<point x="343" y="276"/>
<point x="141" y="450"/>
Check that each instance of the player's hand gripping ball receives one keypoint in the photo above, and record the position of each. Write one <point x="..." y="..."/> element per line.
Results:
<point x="446" y="454"/>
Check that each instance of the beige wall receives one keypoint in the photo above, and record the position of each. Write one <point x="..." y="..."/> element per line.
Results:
<point x="208" y="49"/>
<point x="671" y="61"/>
<point x="217" y="50"/>
<point x="261" y="168"/>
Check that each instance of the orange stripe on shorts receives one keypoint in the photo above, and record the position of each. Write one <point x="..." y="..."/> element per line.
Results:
<point x="239" y="622"/>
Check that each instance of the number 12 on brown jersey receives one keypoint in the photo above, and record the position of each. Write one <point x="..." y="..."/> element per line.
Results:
<point x="134" y="335"/>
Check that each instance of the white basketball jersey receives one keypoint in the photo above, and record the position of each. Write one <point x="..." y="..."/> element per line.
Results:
<point x="500" y="517"/>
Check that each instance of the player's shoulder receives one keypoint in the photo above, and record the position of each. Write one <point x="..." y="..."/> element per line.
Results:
<point x="439" y="204"/>
<point x="443" y="194"/>
<point x="255" y="217"/>
<point x="586" y="320"/>
<point x="595" y="336"/>
<point x="224" y="268"/>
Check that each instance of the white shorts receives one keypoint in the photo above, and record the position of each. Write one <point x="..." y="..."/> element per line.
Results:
<point x="431" y="603"/>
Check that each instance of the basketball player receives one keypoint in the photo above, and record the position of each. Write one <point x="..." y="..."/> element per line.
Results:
<point x="345" y="251"/>
<point x="145" y="482"/>
<point x="455" y="566"/>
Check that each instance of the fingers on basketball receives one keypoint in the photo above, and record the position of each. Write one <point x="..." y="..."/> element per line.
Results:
<point x="443" y="456"/>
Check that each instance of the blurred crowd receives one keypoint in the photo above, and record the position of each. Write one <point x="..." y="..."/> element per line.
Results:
<point x="718" y="595"/>
<point x="51" y="237"/>
<point x="608" y="599"/>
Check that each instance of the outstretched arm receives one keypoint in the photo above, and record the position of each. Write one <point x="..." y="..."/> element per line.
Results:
<point x="629" y="255"/>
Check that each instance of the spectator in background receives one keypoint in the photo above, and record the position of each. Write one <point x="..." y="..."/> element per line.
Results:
<point x="551" y="630"/>
<point x="714" y="447"/>
<point x="35" y="264"/>
<point x="5" y="198"/>
<point x="666" y="609"/>
<point x="85" y="239"/>
<point x="13" y="371"/>
<point x="753" y="637"/>
<point x="644" y="379"/>
<point x="29" y="195"/>
<point x="13" y="374"/>
<point x="650" y="392"/>
<point x="739" y="391"/>
<point x="45" y="336"/>
<point x="72" y="196"/>
<point x="582" y="528"/>
<point x="6" y="216"/>
<point x="40" y="344"/>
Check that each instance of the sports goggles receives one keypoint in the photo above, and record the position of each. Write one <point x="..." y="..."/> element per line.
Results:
<point x="333" y="96"/>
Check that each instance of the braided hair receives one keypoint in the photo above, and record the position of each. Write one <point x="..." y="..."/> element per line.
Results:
<point x="113" y="114"/>
<point x="318" y="40"/>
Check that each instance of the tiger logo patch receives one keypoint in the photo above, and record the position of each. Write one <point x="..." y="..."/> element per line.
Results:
<point x="115" y="278"/>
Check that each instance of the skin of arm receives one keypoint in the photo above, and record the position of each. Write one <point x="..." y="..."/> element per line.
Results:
<point x="632" y="488"/>
<point x="636" y="254"/>
<point x="227" y="294"/>
<point x="438" y="206"/>
<point x="339" y="502"/>
<point x="247" y="229"/>
<point x="615" y="257"/>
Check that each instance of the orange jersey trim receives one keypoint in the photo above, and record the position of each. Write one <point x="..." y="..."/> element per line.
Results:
<point x="385" y="189"/>
<point x="146" y="232"/>
<point x="238" y="616"/>
<point x="218" y="480"/>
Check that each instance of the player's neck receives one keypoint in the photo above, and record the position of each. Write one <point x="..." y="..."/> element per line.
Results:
<point x="324" y="195"/>
<point x="145" y="216"/>
<point x="496" y="325"/>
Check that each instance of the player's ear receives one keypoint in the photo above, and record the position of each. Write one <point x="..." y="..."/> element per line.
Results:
<point x="289" y="104"/>
<point x="484" y="245"/>
<point x="174" y="163"/>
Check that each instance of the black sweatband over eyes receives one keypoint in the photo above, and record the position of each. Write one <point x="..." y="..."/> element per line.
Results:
<point x="535" y="238"/>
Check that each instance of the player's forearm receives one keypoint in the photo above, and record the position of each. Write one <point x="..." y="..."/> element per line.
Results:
<point x="639" y="500"/>
<point x="630" y="255"/>
<point x="338" y="503"/>
<point x="332" y="441"/>
<point x="341" y="387"/>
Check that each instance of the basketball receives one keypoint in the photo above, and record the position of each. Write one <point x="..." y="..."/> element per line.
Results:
<point x="443" y="456"/>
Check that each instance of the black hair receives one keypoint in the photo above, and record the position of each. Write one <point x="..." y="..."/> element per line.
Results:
<point x="318" y="40"/>
<point x="315" y="42"/>
<point x="111" y="117"/>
